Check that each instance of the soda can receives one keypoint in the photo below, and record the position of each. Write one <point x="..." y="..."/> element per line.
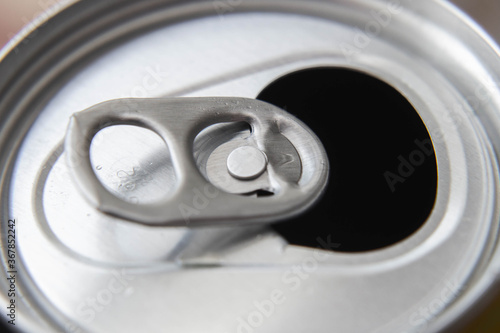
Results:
<point x="249" y="166"/>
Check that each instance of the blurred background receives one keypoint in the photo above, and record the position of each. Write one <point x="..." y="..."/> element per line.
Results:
<point x="16" y="14"/>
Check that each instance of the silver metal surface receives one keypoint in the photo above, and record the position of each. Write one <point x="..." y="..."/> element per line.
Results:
<point x="212" y="157"/>
<point x="246" y="163"/>
<point x="133" y="162"/>
<point x="193" y="200"/>
<point x="220" y="279"/>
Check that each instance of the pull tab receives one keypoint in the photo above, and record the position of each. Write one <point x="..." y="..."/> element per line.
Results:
<point x="281" y="157"/>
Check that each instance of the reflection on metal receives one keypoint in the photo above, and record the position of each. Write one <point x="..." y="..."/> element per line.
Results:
<point x="246" y="163"/>
<point x="72" y="255"/>
<point x="178" y="121"/>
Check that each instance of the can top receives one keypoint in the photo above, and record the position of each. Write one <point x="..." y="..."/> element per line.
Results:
<point x="80" y="270"/>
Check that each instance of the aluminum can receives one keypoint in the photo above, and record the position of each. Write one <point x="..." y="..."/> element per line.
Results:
<point x="403" y="97"/>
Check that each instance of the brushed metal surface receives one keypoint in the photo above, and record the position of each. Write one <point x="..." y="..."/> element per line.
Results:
<point x="73" y="257"/>
<point x="246" y="163"/>
<point x="193" y="200"/>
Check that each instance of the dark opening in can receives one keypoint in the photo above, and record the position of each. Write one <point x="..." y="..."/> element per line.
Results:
<point x="383" y="176"/>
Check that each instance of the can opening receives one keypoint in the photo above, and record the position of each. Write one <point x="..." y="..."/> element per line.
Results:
<point x="383" y="176"/>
